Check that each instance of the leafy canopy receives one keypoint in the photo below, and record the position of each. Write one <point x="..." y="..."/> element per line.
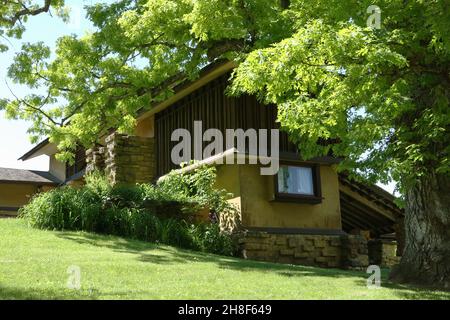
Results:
<point x="381" y="93"/>
<point x="15" y="13"/>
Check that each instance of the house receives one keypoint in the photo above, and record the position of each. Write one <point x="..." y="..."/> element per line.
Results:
<point x="18" y="186"/>
<point x="306" y="214"/>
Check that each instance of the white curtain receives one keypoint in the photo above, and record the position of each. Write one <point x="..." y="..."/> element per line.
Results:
<point x="296" y="180"/>
<point x="305" y="181"/>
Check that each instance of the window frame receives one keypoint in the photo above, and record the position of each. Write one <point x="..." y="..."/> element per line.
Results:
<point x="301" y="198"/>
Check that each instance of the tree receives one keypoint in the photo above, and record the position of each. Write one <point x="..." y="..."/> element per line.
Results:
<point x="13" y="15"/>
<point x="384" y="93"/>
<point x="379" y="91"/>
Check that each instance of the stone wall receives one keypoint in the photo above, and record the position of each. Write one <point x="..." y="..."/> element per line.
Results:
<point x="355" y="254"/>
<point x="328" y="251"/>
<point x="383" y="253"/>
<point x="124" y="159"/>
<point x="130" y="159"/>
<point x="95" y="159"/>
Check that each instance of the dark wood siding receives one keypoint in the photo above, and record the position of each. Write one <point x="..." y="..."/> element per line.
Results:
<point x="79" y="163"/>
<point x="210" y="105"/>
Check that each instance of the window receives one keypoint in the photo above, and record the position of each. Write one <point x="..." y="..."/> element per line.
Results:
<point x="298" y="183"/>
<point x="79" y="163"/>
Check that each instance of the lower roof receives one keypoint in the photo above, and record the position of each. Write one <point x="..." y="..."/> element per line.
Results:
<point x="8" y="175"/>
<point x="368" y="207"/>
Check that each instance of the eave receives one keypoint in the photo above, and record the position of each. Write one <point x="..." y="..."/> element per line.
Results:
<point x="208" y="74"/>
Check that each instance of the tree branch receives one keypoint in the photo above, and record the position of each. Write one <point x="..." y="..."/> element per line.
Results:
<point x="39" y="110"/>
<point x="28" y="12"/>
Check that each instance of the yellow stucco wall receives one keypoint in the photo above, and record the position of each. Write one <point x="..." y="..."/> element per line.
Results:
<point x="228" y="178"/>
<point x="254" y="193"/>
<point x="16" y="195"/>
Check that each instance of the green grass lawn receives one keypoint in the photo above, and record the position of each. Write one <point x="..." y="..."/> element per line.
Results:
<point x="34" y="263"/>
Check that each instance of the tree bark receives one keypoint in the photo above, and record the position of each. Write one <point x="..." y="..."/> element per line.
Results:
<point x="426" y="257"/>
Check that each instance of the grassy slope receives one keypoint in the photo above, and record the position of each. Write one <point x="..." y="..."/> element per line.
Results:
<point x="33" y="264"/>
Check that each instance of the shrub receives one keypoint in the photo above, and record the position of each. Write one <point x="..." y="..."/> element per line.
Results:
<point x="167" y="203"/>
<point x="199" y="185"/>
<point x="175" y="233"/>
<point x="59" y="209"/>
<point x="159" y="213"/>
<point x="124" y="196"/>
<point x="209" y="238"/>
<point x="98" y="184"/>
<point x="144" y="225"/>
<point x="218" y="242"/>
<point x="89" y="208"/>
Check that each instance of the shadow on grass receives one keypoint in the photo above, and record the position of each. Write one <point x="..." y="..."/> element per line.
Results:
<point x="8" y="293"/>
<point x="171" y="255"/>
<point x="416" y="293"/>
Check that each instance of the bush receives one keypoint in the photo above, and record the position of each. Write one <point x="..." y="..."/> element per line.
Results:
<point x="98" y="184"/>
<point x="61" y="209"/>
<point x="209" y="238"/>
<point x="144" y="225"/>
<point x="175" y="233"/>
<point x="200" y="186"/>
<point x="161" y="213"/>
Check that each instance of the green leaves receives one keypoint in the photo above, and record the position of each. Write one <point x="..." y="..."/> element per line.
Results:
<point x="29" y="64"/>
<point x="14" y="14"/>
<point x="372" y="89"/>
<point x="382" y="93"/>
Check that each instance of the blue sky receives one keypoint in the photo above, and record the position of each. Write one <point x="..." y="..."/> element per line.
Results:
<point x="14" y="140"/>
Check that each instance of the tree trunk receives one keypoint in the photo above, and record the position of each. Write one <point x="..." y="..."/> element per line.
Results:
<point x="426" y="257"/>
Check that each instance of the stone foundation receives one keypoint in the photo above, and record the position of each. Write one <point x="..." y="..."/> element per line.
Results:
<point x="355" y="254"/>
<point x="383" y="253"/>
<point x="328" y="251"/>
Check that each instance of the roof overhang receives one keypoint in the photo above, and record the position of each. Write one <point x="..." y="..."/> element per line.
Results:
<point x="207" y="75"/>
<point x="367" y="207"/>
<point x="43" y="148"/>
<point x="234" y="154"/>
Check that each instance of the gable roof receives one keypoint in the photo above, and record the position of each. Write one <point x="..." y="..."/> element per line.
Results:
<point x="8" y="175"/>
